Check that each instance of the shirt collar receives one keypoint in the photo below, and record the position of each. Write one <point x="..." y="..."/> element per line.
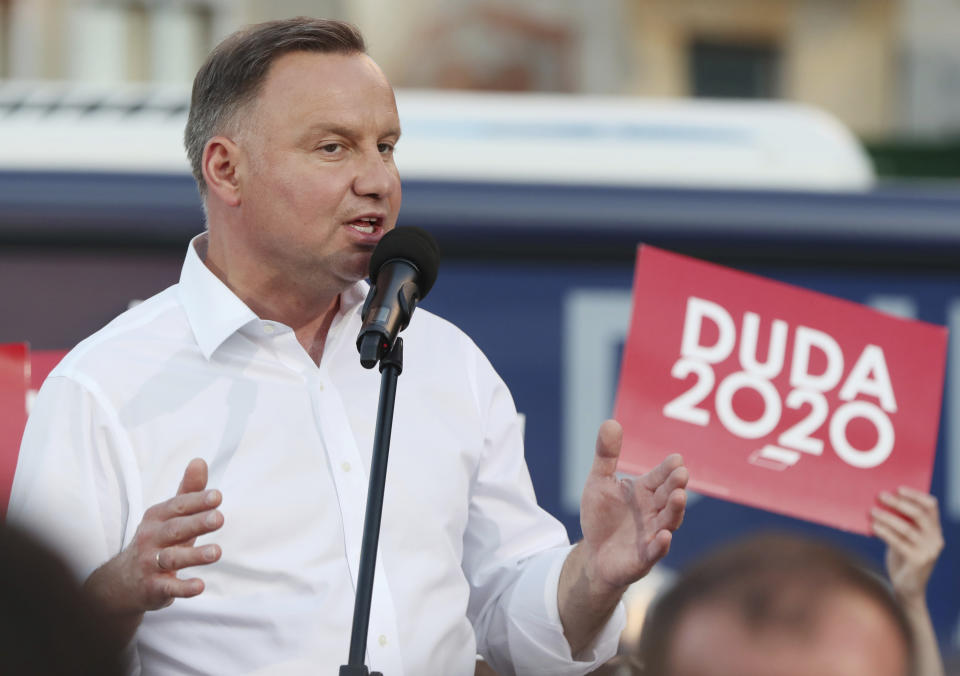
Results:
<point x="352" y="299"/>
<point x="215" y="312"/>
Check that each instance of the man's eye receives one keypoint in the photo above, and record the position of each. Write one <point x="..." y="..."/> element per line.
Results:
<point x="385" y="147"/>
<point x="330" y="147"/>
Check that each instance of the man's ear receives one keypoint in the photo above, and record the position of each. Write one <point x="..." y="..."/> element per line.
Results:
<point x="220" y="166"/>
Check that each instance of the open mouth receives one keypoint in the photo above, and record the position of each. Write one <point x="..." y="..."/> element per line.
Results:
<point x="366" y="224"/>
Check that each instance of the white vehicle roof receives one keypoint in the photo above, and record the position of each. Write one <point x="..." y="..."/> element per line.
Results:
<point x="472" y="137"/>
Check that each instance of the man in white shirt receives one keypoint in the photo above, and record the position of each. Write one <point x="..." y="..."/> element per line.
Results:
<point x="244" y="377"/>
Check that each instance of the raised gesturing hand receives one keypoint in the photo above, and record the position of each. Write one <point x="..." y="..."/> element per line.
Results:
<point x="144" y="575"/>
<point x="628" y="524"/>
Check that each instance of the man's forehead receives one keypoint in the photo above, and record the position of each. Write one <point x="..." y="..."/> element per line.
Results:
<point x="301" y="67"/>
<point x="317" y="91"/>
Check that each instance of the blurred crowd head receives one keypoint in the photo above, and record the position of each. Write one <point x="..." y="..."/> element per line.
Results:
<point x="776" y="605"/>
<point x="48" y="627"/>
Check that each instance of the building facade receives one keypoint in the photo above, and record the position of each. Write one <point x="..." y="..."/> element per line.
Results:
<point x="887" y="68"/>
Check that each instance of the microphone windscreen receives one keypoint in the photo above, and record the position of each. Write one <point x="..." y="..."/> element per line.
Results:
<point x="412" y="244"/>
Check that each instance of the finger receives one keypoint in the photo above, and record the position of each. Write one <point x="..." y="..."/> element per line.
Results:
<point x="658" y="548"/>
<point x="184" y="528"/>
<point x="609" y="441"/>
<point x="925" y="502"/>
<point x="659" y="474"/>
<point x="899" y="525"/>
<point x="185" y="505"/>
<point x="172" y="587"/>
<point x="194" y="477"/>
<point x="678" y="479"/>
<point x="175" y="558"/>
<point x="921" y="498"/>
<point x="926" y="519"/>
<point x="671" y="516"/>
<point x="892" y="538"/>
<point x="905" y="506"/>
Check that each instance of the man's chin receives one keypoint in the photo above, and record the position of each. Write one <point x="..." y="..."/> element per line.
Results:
<point x="354" y="274"/>
<point x="359" y="267"/>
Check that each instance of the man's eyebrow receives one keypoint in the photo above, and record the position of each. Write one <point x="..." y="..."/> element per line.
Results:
<point x="344" y="131"/>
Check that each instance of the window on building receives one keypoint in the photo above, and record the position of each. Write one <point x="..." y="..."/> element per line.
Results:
<point x="720" y="69"/>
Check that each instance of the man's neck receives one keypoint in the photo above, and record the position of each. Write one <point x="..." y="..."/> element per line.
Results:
<point x="310" y="320"/>
<point x="309" y="312"/>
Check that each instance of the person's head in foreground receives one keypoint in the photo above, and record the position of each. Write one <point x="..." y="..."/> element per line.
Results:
<point x="48" y="627"/>
<point x="776" y="605"/>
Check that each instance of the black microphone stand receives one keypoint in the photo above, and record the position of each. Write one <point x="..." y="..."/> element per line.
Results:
<point x="390" y="368"/>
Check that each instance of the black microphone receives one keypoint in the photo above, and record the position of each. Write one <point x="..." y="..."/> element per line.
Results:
<point x="403" y="269"/>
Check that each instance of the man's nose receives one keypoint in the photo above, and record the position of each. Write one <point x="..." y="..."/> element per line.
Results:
<point x="376" y="176"/>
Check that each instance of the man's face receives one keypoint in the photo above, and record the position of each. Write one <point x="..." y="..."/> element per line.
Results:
<point x="853" y="636"/>
<point x="318" y="184"/>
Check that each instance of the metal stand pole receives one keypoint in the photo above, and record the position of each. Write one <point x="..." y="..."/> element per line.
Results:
<point x="390" y="368"/>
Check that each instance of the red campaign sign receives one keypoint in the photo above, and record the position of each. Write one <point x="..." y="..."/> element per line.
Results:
<point x="21" y="372"/>
<point x="42" y="363"/>
<point x="778" y="397"/>
<point x="14" y="383"/>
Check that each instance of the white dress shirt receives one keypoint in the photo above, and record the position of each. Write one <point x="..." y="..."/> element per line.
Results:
<point x="467" y="561"/>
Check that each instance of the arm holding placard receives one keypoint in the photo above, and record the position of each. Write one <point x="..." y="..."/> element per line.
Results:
<point x="913" y="545"/>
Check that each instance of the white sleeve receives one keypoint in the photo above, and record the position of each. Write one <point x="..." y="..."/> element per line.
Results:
<point x="513" y="554"/>
<point x="67" y="489"/>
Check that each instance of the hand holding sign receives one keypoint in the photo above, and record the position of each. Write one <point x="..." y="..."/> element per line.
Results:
<point x="911" y="528"/>
<point x="777" y="397"/>
<point x="914" y="540"/>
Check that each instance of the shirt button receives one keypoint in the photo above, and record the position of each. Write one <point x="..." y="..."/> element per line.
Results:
<point x="345" y="467"/>
<point x="268" y="328"/>
<point x="320" y="386"/>
<point x="382" y="640"/>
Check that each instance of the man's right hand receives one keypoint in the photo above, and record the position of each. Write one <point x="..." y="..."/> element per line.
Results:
<point x="143" y="576"/>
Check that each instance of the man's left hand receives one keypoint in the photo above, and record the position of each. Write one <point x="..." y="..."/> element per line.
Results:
<point x="627" y="527"/>
<point x="628" y="524"/>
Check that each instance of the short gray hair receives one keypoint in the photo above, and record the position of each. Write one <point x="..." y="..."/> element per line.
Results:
<point x="234" y="72"/>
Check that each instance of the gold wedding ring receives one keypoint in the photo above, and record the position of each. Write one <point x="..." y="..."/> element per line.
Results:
<point x="159" y="565"/>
